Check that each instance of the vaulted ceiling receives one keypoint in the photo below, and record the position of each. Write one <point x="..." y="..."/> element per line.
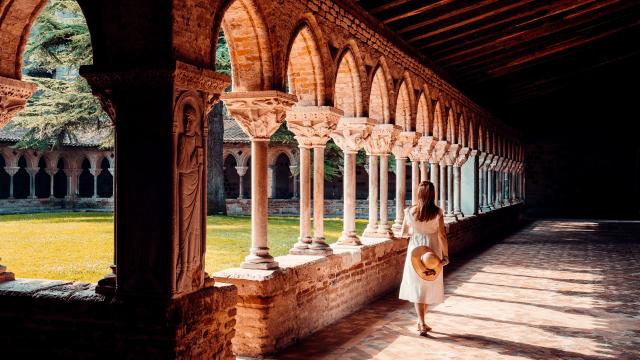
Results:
<point x="510" y="56"/>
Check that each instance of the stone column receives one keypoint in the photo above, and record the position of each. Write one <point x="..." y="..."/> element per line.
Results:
<point x="460" y="160"/>
<point x="438" y="172"/>
<point x="424" y="174"/>
<point x="401" y="150"/>
<point x="449" y="159"/>
<point x="379" y="144"/>
<point x="161" y="254"/>
<point x="450" y="190"/>
<point x="271" y="183"/>
<point x="242" y="171"/>
<point x="13" y="97"/>
<point x="295" y="172"/>
<point x="259" y="114"/>
<point x="11" y="170"/>
<point x="421" y="153"/>
<point x="51" y="172"/>
<point x="73" y="174"/>
<point x="32" y="181"/>
<point x="350" y="135"/>
<point x="95" y="172"/>
<point x="442" y="193"/>
<point x="415" y="180"/>
<point x="485" y="161"/>
<point x="312" y="126"/>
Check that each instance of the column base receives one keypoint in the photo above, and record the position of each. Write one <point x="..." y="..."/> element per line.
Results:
<point x="319" y="247"/>
<point x="259" y="262"/>
<point x="4" y="275"/>
<point x="301" y="247"/>
<point x="384" y="231"/>
<point x="458" y="214"/>
<point x="107" y="285"/>
<point x="260" y="266"/>
<point x="451" y="216"/>
<point x="396" y="227"/>
<point x="370" y="231"/>
<point x="349" y="239"/>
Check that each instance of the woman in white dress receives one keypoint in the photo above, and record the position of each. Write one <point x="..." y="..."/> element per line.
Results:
<point x="425" y="223"/>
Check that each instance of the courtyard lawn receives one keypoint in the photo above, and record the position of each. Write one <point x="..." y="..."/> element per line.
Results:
<point x="79" y="245"/>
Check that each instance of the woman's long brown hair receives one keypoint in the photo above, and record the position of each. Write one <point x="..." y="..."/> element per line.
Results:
<point x="426" y="208"/>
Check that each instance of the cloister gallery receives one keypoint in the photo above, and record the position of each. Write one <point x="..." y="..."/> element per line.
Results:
<point x="327" y="69"/>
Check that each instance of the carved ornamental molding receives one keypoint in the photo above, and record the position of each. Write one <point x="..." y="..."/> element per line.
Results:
<point x="259" y="113"/>
<point x="381" y="140"/>
<point x="423" y="149"/>
<point x="440" y="150"/>
<point x="13" y="97"/>
<point x="463" y="156"/>
<point x="404" y="144"/>
<point x="313" y="125"/>
<point x="352" y="132"/>
<point x="450" y="156"/>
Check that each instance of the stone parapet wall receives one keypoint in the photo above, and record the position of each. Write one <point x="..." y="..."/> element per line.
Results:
<point x="291" y="207"/>
<point x="277" y="308"/>
<point x="58" y="319"/>
<point x="21" y="206"/>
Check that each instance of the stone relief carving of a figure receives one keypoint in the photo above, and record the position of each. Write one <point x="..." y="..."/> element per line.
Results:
<point x="190" y="167"/>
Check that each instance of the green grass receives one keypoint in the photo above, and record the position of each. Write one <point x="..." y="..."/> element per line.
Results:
<point x="79" y="246"/>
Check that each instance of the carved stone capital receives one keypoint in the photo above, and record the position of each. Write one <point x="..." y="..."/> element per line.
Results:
<point x="72" y="172"/>
<point x="404" y="143"/>
<point x="463" y="156"/>
<point x="381" y="139"/>
<point x="51" y="171"/>
<point x="11" y="170"/>
<point x="182" y="76"/>
<point x="352" y="132"/>
<point x="295" y="170"/>
<point x="32" y="171"/>
<point x="423" y="148"/>
<point x="242" y="170"/>
<point x="440" y="150"/>
<point x="13" y="97"/>
<point x="450" y="156"/>
<point x="259" y="113"/>
<point x="313" y="125"/>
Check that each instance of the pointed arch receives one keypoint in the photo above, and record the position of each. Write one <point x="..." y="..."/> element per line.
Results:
<point x="348" y="85"/>
<point x="379" y="96"/>
<point x="404" y="116"/>
<point x="423" y="125"/>
<point x="305" y="68"/>
<point x="438" y="121"/>
<point x="451" y="135"/>
<point x="249" y="47"/>
<point x="462" y="131"/>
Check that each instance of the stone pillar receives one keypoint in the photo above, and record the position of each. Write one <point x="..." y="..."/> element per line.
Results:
<point x="470" y="196"/>
<point x="438" y="173"/>
<point x="271" y="183"/>
<point x="95" y="172"/>
<point x="13" y="97"/>
<point x="415" y="180"/>
<point x="11" y="170"/>
<point x="401" y="150"/>
<point x="295" y="172"/>
<point x="379" y="144"/>
<point x="424" y="174"/>
<point x="485" y="161"/>
<point x="51" y="172"/>
<point x="420" y="154"/>
<point x="32" y="181"/>
<point x="450" y="190"/>
<point x="161" y="254"/>
<point x="259" y="114"/>
<point x="242" y="171"/>
<point x="459" y="161"/>
<point x="312" y="126"/>
<point x="350" y="135"/>
<point x="72" y="190"/>
<point x="435" y="179"/>
<point x="442" y="197"/>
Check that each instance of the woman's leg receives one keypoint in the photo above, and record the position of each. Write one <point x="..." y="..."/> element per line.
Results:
<point x="425" y="308"/>
<point x="420" y="312"/>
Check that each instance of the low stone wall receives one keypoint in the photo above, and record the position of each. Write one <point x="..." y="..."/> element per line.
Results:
<point x="291" y="207"/>
<point x="44" y="319"/>
<point x="21" y="206"/>
<point x="277" y="308"/>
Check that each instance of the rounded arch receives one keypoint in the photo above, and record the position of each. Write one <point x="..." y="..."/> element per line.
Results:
<point x="348" y="84"/>
<point x="85" y="179"/>
<point x="274" y="155"/>
<point x="42" y="180"/>
<point x="17" y="19"/>
<point x="249" y="46"/>
<point x="236" y="154"/>
<point x="379" y="95"/>
<point x="105" y="178"/>
<point x="60" y="183"/>
<point x="231" y="176"/>
<point x="305" y="68"/>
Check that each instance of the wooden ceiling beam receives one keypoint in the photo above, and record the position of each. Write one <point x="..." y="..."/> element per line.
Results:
<point x="387" y="6"/>
<point x="417" y="11"/>
<point x="469" y="21"/>
<point x="456" y="12"/>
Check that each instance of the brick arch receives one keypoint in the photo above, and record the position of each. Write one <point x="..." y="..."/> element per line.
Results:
<point x="249" y="46"/>
<point x="379" y="96"/>
<point x="452" y="128"/>
<point x="348" y="84"/>
<point x="481" y="138"/>
<point x="404" y="117"/>
<point x="462" y="131"/>
<point x="306" y="68"/>
<point x="422" y="115"/>
<point x="472" y="130"/>
<point x="16" y="20"/>
<point x="274" y="155"/>
<point x="226" y="153"/>
<point x="438" y="121"/>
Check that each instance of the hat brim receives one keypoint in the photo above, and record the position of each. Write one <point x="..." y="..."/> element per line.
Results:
<point x="418" y="266"/>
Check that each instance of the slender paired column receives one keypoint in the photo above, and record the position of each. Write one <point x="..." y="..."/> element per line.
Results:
<point x="51" y="172"/>
<point x="378" y="146"/>
<point x="401" y="150"/>
<point x="448" y="160"/>
<point x="312" y="126"/>
<point x="415" y="180"/>
<point x="450" y="190"/>
<point x="295" y="172"/>
<point x="350" y="135"/>
<point x="424" y="173"/>
<point x="438" y="171"/>
<point x="259" y="114"/>
<point x="271" y="183"/>
<point x="11" y="170"/>
<point x="242" y="171"/>
<point x="32" y="181"/>
<point x="95" y="172"/>
<point x="442" y="197"/>
<point x="460" y="160"/>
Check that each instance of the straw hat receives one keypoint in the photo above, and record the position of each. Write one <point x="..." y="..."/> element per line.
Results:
<point x="423" y="258"/>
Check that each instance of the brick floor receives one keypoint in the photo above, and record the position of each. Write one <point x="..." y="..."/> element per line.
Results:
<point x="554" y="290"/>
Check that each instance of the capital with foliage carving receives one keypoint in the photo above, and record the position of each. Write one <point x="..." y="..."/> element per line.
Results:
<point x="352" y="132"/>
<point x="259" y="113"/>
<point x="463" y="156"/>
<point x="450" y="155"/>
<point x="405" y="141"/>
<point x="440" y="150"/>
<point x="313" y="125"/>
<point x="381" y="140"/>
<point x="423" y="148"/>
<point x="13" y="97"/>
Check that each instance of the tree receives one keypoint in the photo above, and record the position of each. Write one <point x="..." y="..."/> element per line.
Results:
<point x="63" y="108"/>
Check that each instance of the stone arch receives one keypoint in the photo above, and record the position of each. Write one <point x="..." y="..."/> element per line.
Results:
<point x="42" y="180"/>
<point x="307" y="63"/>
<point x="105" y="178"/>
<point x="289" y="153"/>
<point x="249" y="46"/>
<point x="438" y="121"/>
<point x="231" y="177"/>
<point x="283" y="181"/>
<point x="452" y="133"/>
<point x="462" y="131"/>
<point x="85" y="179"/>
<point x="60" y="183"/>
<point x="404" y="116"/>
<point x="233" y="153"/>
<point x="21" y="179"/>
<point x="422" y="115"/>
<point x="348" y="84"/>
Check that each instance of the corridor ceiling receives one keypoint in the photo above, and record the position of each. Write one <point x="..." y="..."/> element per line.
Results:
<point x="511" y="56"/>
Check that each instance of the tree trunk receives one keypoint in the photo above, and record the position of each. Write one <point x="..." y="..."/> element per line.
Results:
<point x="215" y="176"/>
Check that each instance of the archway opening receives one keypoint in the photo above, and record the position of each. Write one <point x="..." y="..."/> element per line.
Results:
<point x="105" y="180"/>
<point x="85" y="180"/>
<point x="5" y="180"/>
<point x="231" y="178"/>
<point x="60" y="183"/>
<point x="21" y="180"/>
<point x="283" y="181"/>
<point x="43" y="180"/>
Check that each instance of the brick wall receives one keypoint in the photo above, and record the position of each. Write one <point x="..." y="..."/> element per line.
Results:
<point x="277" y="308"/>
<point x="57" y="319"/>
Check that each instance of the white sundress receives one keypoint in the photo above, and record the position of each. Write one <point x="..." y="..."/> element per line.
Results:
<point x="430" y="233"/>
